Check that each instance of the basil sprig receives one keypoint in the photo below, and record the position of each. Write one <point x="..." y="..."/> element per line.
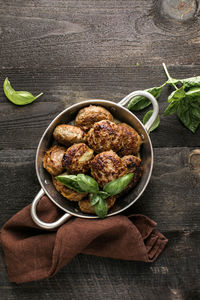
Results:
<point x="184" y="100"/>
<point x="18" y="97"/>
<point x="82" y="183"/>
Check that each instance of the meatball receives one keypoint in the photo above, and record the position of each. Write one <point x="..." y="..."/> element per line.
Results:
<point x="104" y="136"/>
<point x="52" y="160"/>
<point x="134" y="165"/>
<point x="77" y="158"/>
<point x="87" y="116"/>
<point x="131" y="140"/>
<point x="85" y="206"/>
<point x="66" y="192"/>
<point x="107" y="166"/>
<point x="68" y="134"/>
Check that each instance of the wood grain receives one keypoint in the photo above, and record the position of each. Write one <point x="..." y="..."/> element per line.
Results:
<point x="91" y="33"/>
<point x="78" y="50"/>
<point x="66" y="86"/>
<point x="167" y="198"/>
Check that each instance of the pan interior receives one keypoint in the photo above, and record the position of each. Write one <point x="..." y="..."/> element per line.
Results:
<point x="68" y="116"/>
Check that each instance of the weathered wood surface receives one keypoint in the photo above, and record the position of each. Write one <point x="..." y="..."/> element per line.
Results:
<point x="76" y="50"/>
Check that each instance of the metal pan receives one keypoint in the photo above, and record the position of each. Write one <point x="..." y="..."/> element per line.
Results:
<point x="67" y="116"/>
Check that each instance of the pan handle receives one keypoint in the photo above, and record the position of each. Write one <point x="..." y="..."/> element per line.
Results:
<point x="40" y="223"/>
<point x="154" y="102"/>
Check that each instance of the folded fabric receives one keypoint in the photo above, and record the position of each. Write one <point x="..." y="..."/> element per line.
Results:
<point x="32" y="253"/>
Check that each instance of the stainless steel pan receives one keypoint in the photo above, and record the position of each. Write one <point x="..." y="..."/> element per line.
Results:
<point x="68" y="115"/>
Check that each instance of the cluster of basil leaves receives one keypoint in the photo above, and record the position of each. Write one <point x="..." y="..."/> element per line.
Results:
<point x="82" y="183"/>
<point x="185" y="101"/>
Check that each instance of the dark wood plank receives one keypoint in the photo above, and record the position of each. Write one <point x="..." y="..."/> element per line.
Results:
<point x="171" y="198"/>
<point x="106" y="33"/>
<point x="66" y="86"/>
<point x="75" y="50"/>
<point x="175" y="275"/>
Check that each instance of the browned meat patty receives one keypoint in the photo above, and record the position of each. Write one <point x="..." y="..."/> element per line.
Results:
<point x="68" y="134"/>
<point x="131" y="140"/>
<point x="66" y="192"/>
<point x="107" y="166"/>
<point x="87" y="116"/>
<point x="104" y="136"/>
<point x="52" y="160"/>
<point x="134" y="165"/>
<point x="88" y="209"/>
<point x="77" y="158"/>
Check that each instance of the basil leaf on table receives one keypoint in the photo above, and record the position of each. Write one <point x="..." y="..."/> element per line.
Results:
<point x="171" y="108"/>
<point x="118" y="185"/>
<point x="193" y="92"/>
<point x="140" y="102"/>
<point x="101" y="208"/>
<point x="87" y="183"/>
<point x="188" y="115"/>
<point x="18" y="97"/>
<point x="177" y="95"/>
<point x="71" y="182"/>
<point x="187" y="82"/>
<point x="147" y="117"/>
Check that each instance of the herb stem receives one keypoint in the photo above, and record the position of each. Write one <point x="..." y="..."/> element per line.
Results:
<point x="38" y="95"/>
<point x="168" y="76"/>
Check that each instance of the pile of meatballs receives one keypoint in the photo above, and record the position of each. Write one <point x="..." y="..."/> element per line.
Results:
<point x="96" y="146"/>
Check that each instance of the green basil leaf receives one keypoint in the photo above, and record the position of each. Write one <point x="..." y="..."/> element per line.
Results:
<point x="101" y="208"/>
<point x="185" y="114"/>
<point x="193" y="92"/>
<point x="140" y="102"/>
<point x="191" y="82"/>
<point x="87" y="183"/>
<point x="147" y="117"/>
<point x="70" y="181"/>
<point x="18" y="97"/>
<point x="187" y="82"/>
<point x="171" y="108"/>
<point x="94" y="199"/>
<point x="177" y="95"/>
<point x="118" y="185"/>
<point x="196" y="112"/>
<point x="103" y="194"/>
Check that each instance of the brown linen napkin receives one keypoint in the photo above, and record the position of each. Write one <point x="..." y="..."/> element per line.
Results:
<point x="32" y="253"/>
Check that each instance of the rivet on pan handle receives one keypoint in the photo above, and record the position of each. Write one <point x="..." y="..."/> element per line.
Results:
<point x="154" y="102"/>
<point x="40" y="223"/>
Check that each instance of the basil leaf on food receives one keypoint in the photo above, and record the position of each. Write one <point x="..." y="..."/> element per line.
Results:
<point x="118" y="185"/>
<point x="94" y="199"/>
<point x="18" y="97"/>
<point x="101" y="208"/>
<point x="103" y="194"/>
<point x="140" y="102"/>
<point x="87" y="183"/>
<point x="70" y="181"/>
<point x="147" y="117"/>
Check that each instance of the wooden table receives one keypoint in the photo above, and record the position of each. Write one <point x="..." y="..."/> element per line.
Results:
<point x="76" y="50"/>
